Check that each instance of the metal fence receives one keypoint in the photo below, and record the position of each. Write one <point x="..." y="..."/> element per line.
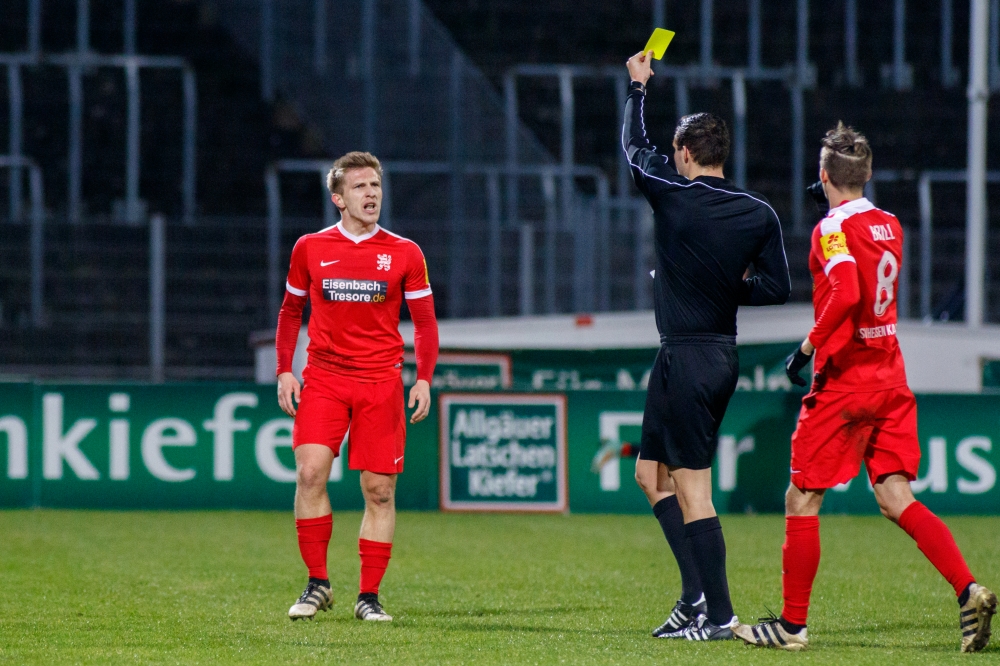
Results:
<point x="76" y="65"/>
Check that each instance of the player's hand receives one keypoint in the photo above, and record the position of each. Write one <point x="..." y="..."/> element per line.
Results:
<point x="794" y="364"/>
<point x="420" y="395"/>
<point x="819" y="196"/>
<point x="288" y="392"/>
<point x="640" y="66"/>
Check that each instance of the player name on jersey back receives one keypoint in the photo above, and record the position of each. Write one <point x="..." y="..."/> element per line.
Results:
<point x="355" y="291"/>
<point x="877" y="332"/>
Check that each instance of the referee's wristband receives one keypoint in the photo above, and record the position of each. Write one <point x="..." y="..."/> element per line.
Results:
<point x="636" y="85"/>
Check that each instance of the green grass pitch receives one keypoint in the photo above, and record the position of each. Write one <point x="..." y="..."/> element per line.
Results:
<point x="214" y="587"/>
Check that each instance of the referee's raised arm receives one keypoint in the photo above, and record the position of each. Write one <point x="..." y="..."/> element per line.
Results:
<point x="648" y="167"/>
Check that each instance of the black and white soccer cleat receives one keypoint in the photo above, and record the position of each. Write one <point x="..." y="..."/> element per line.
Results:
<point x="975" y="618"/>
<point x="770" y="633"/>
<point x="703" y="630"/>
<point x="681" y="617"/>
<point x="368" y="608"/>
<point x="317" y="597"/>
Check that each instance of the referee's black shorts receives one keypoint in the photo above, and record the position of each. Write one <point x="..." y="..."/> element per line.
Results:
<point x="690" y="385"/>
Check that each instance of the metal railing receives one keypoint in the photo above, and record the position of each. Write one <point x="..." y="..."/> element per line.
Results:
<point x="76" y="63"/>
<point x="591" y="233"/>
<point x="924" y="181"/>
<point x="37" y="251"/>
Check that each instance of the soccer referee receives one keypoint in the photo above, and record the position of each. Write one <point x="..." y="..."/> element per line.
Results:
<point x="710" y="235"/>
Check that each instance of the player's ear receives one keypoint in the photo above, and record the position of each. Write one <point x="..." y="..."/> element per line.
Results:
<point x="338" y="201"/>
<point x="824" y="177"/>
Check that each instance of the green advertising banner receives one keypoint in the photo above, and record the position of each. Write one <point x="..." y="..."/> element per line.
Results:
<point x="762" y="369"/>
<point x="171" y="446"/>
<point x="16" y="422"/>
<point x="503" y="452"/>
<point x="209" y="445"/>
<point x="461" y="371"/>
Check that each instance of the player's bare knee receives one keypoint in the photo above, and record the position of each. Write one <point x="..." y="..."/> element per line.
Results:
<point x="891" y="507"/>
<point x="379" y="492"/>
<point x="311" y="477"/>
<point x="646" y="482"/>
<point x="381" y="497"/>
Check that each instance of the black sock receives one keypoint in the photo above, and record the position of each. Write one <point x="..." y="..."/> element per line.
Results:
<point x="367" y="596"/>
<point x="964" y="597"/>
<point x="322" y="581"/>
<point x="668" y="513"/>
<point x="790" y="627"/>
<point x="708" y="548"/>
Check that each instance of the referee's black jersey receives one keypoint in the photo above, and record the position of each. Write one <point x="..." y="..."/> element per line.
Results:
<point x="708" y="231"/>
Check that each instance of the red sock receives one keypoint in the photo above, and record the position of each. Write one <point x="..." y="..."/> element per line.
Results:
<point x="374" y="559"/>
<point x="935" y="541"/>
<point x="799" y="563"/>
<point x="314" y="537"/>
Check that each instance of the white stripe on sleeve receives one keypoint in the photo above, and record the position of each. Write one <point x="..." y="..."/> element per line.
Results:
<point x="293" y="290"/>
<point x="410" y="295"/>
<point x="838" y="259"/>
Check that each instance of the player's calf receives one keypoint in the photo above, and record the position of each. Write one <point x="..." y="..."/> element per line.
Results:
<point x="317" y="597"/>
<point x="975" y="617"/>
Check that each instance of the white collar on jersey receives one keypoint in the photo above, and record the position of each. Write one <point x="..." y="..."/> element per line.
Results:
<point x="357" y="239"/>
<point x="853" y="207"/>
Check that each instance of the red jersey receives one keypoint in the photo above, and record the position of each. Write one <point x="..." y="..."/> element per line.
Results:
<point x="356" y="285"/>
<point x="855" y="260"/>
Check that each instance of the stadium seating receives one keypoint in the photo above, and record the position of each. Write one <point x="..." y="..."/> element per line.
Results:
<point x="96" y="280"/>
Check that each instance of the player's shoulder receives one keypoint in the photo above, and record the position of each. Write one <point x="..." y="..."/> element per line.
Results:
<point x="848" y="213"/>
<point x="329" y="233"/>
<point x="754" y="200"/>
<point x="407" y="244"/>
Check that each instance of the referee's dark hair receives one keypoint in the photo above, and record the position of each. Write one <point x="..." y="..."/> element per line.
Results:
<point x="706" y="136"/>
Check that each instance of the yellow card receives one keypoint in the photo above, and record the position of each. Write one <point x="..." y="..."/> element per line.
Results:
<point x="658" y="42"/>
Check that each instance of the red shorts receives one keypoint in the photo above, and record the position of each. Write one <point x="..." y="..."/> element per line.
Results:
<point x="837" y="431"/>
<point x="330" y="404"/>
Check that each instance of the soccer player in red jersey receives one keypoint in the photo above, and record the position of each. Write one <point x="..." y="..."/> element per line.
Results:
<point x="355" y="275"/>
<point x="859" y="408"/>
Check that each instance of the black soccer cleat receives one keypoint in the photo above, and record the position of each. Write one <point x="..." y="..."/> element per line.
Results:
<point x="703" y="630"/>
<point x="316" y="597"/>
<point x="681" y="617"/>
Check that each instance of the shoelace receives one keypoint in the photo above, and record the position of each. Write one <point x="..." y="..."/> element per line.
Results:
<point x="770" y="619"/>
<point x="698" y="629"/>
<point x="310" y="588"/>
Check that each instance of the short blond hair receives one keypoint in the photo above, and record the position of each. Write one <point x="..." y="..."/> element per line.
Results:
<point x="353" y="160"/>
<point x="846" y="157"/>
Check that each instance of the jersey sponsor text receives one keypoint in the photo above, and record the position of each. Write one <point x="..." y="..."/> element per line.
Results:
<point x="833" y="244"/>
<point x="355" y="291"/>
